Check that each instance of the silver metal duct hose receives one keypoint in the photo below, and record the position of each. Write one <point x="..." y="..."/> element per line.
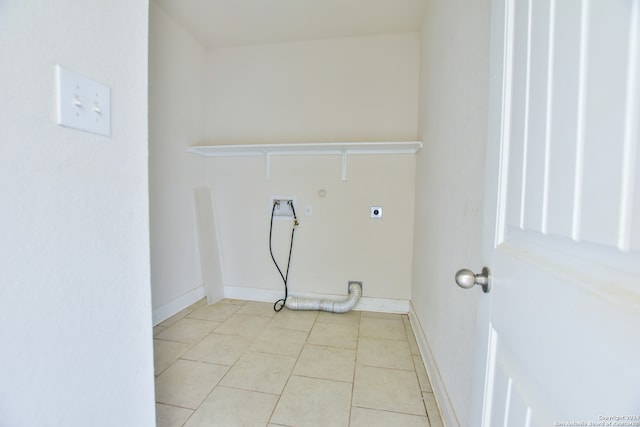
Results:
<point x="355" y="292"/>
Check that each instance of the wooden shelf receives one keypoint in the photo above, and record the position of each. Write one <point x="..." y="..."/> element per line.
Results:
<point x="308" y="148"/>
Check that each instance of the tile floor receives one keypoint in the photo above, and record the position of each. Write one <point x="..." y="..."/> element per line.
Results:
<point x="239" y="363"/>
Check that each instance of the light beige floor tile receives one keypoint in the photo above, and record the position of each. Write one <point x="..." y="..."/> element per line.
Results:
<point x="432" y="410"/>
<point x="330" y="363"/>
<point x="199" y="303"/>
<point x="232" y="301"/>
<point x="381" y="396"/>
<point x="167" y="352"/>
<point x="287" y="342"/>
<point x="310" y="402"/>
<point x="377" y="315"/>
<point x="385" y="353"/>
<point x="413" y="344"/>
<point x="217" y="312"/>
<point x="188" y="330"/>
<point x="298" y="320"/>
<point x="187" y="383"/>
<point x="349" y="318"/>
<point x="173" y="319"/>
<point x="407" y="324"/>
<point x="391" y="329"/>
<point x="423" y="378"/>
<point x="267" y="373"/>
<point x="334" y="335"/>
<point x="387" y="389"/>
<point x="226" y="407"/>
<point x="171" y="416"/>
<point x="255" y="308"/>
<point x="219" y="348"/>
<point x="241" y="324"/>
<point x="363" y="417"/>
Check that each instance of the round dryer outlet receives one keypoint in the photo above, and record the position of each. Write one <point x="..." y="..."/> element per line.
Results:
<point x="376" y="212"/>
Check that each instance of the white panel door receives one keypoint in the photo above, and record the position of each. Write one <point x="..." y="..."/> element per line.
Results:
<point x="561" y="326"/>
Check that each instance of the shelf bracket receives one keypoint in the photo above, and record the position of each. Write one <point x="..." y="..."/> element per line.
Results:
<point x="344" y="165"/>
<point x="267" y="166"/>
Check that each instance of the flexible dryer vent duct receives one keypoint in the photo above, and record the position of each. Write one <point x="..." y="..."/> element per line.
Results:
<point x="355" y="291"/>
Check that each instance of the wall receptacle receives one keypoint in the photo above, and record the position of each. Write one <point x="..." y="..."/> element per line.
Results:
<point x="284" y="207"/>
<point x="375" y="212"/>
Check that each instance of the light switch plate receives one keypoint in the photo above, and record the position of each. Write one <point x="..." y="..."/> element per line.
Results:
<point x="83" y="103"/>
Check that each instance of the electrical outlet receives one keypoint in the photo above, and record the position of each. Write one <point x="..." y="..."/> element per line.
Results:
<point x="376" y="212"/>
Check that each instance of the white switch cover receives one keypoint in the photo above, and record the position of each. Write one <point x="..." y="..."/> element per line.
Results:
<point x="83" y="103"/>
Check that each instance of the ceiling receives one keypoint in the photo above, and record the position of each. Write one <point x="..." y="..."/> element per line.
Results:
<point x="217" y="23"/>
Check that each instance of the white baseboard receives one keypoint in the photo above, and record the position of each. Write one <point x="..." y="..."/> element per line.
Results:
<point x="382" y="305"/>
<point x="439" y="390"/>
<point x="252" y="294"/>
<point x="174" y="306"/>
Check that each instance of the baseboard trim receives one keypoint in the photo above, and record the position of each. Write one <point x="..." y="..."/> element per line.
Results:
<point x="167" y="310"/>
<point x="382" y="305"/>
<point x="437" y="384"/>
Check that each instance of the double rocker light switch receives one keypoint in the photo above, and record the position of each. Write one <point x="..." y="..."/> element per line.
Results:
<point x="83" y="103"/>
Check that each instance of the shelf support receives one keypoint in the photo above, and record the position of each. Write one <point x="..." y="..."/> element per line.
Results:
<point x="344" y="165"/>
<point x="267" y="166"/>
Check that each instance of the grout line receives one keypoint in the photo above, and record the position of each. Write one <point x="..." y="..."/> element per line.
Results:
<point x="407" y="332"/>
<point x="355" y="366"/>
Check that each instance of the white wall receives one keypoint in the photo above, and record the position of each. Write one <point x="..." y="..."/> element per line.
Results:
<point x="346" y="89"/>
<point x="337" y="243"/>
<point x="363" y="88"/>
<point x="449" y="191"/>
<point x="178" y="81"/>
<point x="75" y="303"/>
